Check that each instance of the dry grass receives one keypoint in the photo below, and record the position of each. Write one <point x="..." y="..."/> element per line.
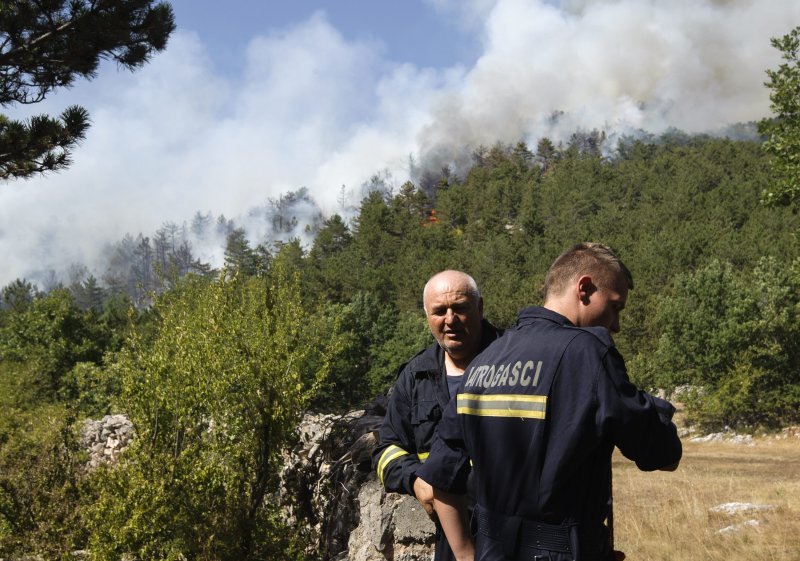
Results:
<point x="667" y="516"/>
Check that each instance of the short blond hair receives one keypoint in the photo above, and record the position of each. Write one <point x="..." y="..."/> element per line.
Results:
<point x="593" y="259"/>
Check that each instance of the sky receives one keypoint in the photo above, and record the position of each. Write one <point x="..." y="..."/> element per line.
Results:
<point x="261" y="98"/>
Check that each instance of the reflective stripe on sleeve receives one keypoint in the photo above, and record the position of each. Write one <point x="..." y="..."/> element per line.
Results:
<point x="510" y="405"/>
<point x="391" y="453"/>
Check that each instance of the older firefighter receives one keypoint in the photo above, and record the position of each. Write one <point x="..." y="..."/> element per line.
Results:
<point x="454" y="310"/>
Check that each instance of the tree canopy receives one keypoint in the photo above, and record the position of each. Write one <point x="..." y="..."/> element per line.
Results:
<point x="48" y="45"/>
<point x="783" y="131"/>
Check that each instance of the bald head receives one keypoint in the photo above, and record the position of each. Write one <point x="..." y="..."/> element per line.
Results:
<point x="454" y="309"/>
<point x="450" y="280"/>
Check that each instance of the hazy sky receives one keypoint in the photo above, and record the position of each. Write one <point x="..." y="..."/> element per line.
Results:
<point x="260" y="98"/>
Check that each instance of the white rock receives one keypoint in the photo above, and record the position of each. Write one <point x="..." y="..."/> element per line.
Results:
<point x="738" y="527"/>
<point x="736" y="508"/>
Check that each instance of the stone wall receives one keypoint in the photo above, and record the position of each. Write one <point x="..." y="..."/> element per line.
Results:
<point x="106" y="439"/>
<point x="328" y="488"/>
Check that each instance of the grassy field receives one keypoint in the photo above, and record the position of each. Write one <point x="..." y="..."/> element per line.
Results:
<point x="669" y="516"/>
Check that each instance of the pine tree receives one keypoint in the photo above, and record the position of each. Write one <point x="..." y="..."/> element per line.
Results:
<point x="18" y="295"/>
<point x="239" y="256"/>
<point x="47" y="45"/>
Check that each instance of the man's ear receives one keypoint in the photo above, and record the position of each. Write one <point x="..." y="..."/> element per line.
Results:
<point x="480" y="306"/>
<point x="585" y="289"/>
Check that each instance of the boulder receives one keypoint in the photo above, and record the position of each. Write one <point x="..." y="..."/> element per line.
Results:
<point x="106" y="438"/>
<point x="328" y="489"/>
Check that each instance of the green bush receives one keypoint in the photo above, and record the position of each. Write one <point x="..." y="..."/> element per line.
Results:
<point x="213" y="396"/>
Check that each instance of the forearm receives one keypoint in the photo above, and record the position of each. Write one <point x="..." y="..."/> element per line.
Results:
<point x="451" y="510"/>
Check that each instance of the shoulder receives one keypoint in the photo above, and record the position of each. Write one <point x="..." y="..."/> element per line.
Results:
<point x="424" y="360"/>
<point x="599" y="334"/>
<point x="491" y="331"/>
<point x="589" y="342"/>
<point x="408" y="376"/>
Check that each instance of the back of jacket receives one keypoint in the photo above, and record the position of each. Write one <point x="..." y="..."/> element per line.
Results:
<point x="539" y="413"/>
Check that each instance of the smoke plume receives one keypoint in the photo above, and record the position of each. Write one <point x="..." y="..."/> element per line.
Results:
<point x="317" y="110"/>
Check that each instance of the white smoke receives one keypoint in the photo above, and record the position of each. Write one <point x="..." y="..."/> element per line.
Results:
<point x="315" y="109"/>
<point x="614" y="65"/>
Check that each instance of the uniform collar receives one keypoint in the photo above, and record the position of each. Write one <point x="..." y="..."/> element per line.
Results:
<point x="488" y="334"/>
<point x="430" y="361"/>
<point x="537" y="312"/>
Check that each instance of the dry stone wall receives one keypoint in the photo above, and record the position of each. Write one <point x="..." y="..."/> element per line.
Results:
<point x="328" y="488"/>
<point x="106" y="439"/>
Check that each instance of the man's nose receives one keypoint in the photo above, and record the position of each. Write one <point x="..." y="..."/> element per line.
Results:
<point x="449" y="316"/>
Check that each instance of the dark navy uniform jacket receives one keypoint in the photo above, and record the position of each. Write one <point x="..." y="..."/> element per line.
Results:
<point x="539" y="413"/>
<point x="415" y="408"/>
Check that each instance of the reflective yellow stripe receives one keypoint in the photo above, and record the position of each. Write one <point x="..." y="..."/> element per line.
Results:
<point x="391" y="453"/>
<point x="510" y="405"/>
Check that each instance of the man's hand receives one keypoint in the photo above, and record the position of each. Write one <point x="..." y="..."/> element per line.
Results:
<point x="424" y="494"/>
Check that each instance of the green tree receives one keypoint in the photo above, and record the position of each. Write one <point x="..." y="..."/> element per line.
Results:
<point x="367" y="324"/>
<point x="17" y="295"/>
<point x="411" y="334"/>
<point x="88" y="293"/>
<point x="327" y="276"/>
<point x="213" y="399"/>
<point x="239" y="256"/>
<point x="783" y="131"/>
<point x="373" y="253"/>
<point x="734" y="339"/>
<point x="48" y="45"/>
<point x="546" y="151"/>
<point x="51" y="336"/>
<point x="49" y="374"/>
<point x="42" y="489"/>
<point x="332" y="238"/>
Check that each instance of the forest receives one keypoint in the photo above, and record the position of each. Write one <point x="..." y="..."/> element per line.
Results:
<point x="287" y="328"/>
<point x="215" y="366"/>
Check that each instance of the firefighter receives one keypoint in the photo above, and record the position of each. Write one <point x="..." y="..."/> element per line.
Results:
<point x="454" y="309"/>
<point x="539" y="414"/>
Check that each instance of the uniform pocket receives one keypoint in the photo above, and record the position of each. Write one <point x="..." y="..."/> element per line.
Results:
<point x="424" y="418"/>
<point x="426" y="412"/>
